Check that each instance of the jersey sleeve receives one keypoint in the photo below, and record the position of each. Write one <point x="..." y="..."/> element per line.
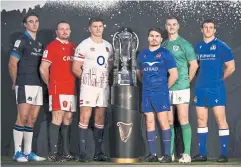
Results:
<point x="18" y="48"/>
<point x="226" y="53"/>
<point x="48" y="54"/>
<point x="189" y="52"/>
<point x="79" y="54"/>
<point x="170" y="61"/>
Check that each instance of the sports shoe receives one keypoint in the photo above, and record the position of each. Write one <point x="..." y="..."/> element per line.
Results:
<point x="34" y="157"/>
<point x="83" y="157"/>
<point x="19" y="157"/>
<point x="166" y="159"/>
<point x="185" y="158"/>
<point x="173" y="158"/>
<point x="151" y="158"/>
<point x="101" y="157"/>
<point x="222" y="158"/>
<point x="54" y="157"/>
<point x="68" y="157"/>
<point x="199" y="158"/>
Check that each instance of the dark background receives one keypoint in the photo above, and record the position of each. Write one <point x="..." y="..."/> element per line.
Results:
<point x="139" y="16"/>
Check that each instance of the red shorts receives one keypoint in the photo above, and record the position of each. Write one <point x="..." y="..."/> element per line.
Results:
<point x="62" y="96"/>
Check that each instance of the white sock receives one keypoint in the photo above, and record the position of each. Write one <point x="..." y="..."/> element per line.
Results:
<point x="18" y="138"/>
<point x="27" y="138"/>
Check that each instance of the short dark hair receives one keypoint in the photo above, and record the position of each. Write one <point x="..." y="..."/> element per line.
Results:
<point x="155" y="29"/>
<point x="172" y="17"/>
<point x="209" y="21"/>
<point x="25" y="18"/>
<point x="62" y="21"/>
<point x="96" y="19"/>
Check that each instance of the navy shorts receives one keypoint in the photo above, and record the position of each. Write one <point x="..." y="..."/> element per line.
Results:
<point x="210" y="97"/>
<point x="156" y="101"/>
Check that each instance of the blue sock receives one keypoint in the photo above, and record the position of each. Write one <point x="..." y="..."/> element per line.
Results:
<point x="83" y="135"/>
<point x="166" y="137"/>
<point x="202" y="139"/>
<point x="223" y="134"/>
<point x="151" y="138"/>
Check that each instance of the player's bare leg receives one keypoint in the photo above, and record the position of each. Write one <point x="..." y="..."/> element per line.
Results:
<point x="182" y="110"/>
<point x="151" y="137"/>
<point x="166" y="136"/>
<point x="85" y="114"/>
<point x="57" y="118"/>
<point x="28" y="134"/>
<point x="98" y="134"/>
<point x="220" y="115"/>
<point x="65" y="133"/>
<point x="202" y="120"/>
<point x="18" y="130"/>
<point x="170" y="116"/>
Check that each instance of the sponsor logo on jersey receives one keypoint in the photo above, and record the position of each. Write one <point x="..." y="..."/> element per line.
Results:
<point x="92" y="49"/>
<point x="101" y="60"/>
<point x="151" y="63"/>
<point x="206" y="57"/>
<point x="175" y="48"/>
<point x="107" y="49"/>
<point x="65" y="103"/>
<point x="36" y="52"/>
<point x="213" y="47"/>
<point x="17" y="43"/>
<point x="67" y="58"/>
<point x="45" y="54"/>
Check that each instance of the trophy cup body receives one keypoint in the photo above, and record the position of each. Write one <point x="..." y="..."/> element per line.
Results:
<point x="125" y="44"/>
<point x="125" y="119"/>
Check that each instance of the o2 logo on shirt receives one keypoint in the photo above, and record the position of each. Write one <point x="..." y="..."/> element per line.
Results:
<point x="101" y="60"/>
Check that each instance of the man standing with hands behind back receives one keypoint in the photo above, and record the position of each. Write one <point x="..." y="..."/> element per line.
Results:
<point x="187" y="65"/>
<point x="56" y="72"/>
<point x="92" y="63"/>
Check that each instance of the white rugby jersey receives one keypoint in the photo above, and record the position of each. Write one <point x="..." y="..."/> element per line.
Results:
<point x="96" y="58"/>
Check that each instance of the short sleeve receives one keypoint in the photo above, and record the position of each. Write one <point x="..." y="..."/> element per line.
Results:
<point x="111" y="56"/>
<point x="189" y="52"/>
<point x="170" y="61"/>
<point x="79" y="54"/>
<point x="48" y="54"/>
<point x="18" y="48"/>
<point x="227" y="53"/>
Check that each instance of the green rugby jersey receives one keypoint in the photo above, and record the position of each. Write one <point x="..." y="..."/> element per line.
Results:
<point x="183" y="52"/>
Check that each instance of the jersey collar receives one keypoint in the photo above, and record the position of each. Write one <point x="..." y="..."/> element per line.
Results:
<point x="29" y="36"/>
<point x="61" y="41"/>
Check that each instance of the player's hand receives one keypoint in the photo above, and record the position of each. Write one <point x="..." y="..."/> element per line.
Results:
<point x="13" y="86"/>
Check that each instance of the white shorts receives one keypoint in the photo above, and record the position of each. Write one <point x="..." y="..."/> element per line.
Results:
<point x="94" y="97"/>
<point x="30" y="94"/>
<point x="179" y="96"/>
<point x="62" y="102"/>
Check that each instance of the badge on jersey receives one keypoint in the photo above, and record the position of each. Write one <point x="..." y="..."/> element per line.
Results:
<point x="45" y="54"/>
<point x="213" y="47"/>
<point x="175" y="48"/>
<point x="17" y="43"/>
<point x="158" y="55"/>
<point x="107" y="49"/>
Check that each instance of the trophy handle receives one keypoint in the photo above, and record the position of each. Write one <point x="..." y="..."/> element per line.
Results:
<point x="137" y="40"/>
<point x="113" y="40"/>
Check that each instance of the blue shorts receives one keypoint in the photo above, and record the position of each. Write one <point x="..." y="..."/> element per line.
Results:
<point x="210" y="97"/>
<point x="156" y="101"/>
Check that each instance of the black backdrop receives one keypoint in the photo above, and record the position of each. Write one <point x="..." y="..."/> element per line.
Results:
<point x="139" y="16"/>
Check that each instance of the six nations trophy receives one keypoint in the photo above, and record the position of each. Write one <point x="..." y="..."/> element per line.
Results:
<point x="125" y="133"/>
